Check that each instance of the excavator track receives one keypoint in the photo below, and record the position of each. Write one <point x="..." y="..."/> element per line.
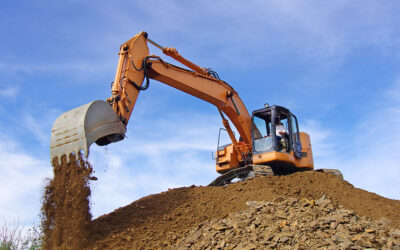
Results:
<point x="252" y="171"/>
<point x="242" y="173"/>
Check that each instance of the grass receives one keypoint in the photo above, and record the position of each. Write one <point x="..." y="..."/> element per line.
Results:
<point x="13" y="237"/>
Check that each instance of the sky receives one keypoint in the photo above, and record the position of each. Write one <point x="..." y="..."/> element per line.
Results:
<point x="334" y="64"/>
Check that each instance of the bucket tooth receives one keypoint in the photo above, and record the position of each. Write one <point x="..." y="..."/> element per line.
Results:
<point x="75" y="130"/>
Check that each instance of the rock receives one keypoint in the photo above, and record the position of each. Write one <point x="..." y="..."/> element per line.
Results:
<point x="356" y="228"/>
<point x="291" y="224"/>
<point x="363" y="243"/>
<point x="320" y="235"/>
<point x="250" y="247"/>
<point x="276" y="238"/>
<point x="320" y="200"/>
<point x="396" y="243"/>
<point x="252" y="203"/>
<point x="395" y="233"/>
<point x="390" y="244"/>
<point x="219" y="227"/>
<point x="346" y="244"/>
<point x="284" y="239"/>
<point x="384" y="221"/>
<point x="279" y="199"/>
<point x="314" y="225"/>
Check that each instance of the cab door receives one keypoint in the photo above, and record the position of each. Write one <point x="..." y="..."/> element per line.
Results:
<point x="296" y="143"/>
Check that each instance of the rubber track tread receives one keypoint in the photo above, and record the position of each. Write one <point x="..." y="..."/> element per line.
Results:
<point x="241" y="173"/>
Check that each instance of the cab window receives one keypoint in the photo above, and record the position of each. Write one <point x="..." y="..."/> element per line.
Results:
<point x="262" y="135"/>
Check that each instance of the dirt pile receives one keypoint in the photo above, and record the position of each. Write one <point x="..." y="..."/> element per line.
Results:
<point x="291" y="223"/>
<point x="66" y="216"/>
<point x="163" y="220"/>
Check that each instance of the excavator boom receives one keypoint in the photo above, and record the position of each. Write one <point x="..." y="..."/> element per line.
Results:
<point x="105" y="122"/>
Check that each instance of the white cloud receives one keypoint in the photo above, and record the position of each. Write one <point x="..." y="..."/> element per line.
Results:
<point x="326" y="145"/>
<point x="367" y="154"/>
<point x="37" y="128"/>
<point x="320" y="138"/>
<point x="265" y="31"/>
<point x="134" y="178"/>
<point x="46" y="67"/>
<point x="21" y="182"/>
<point x="25" y="164"/>
<point x="158" y="154"/>
<point x="393" y="93"/>
<point x="375" y="163"/>
<point x="9" y="91"/>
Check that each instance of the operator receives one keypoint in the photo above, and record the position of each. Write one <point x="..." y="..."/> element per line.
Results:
<point x="281" y="135"/>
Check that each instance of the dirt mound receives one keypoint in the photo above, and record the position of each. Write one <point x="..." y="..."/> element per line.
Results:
<point x="291" y="223"/>
<point x="159" y="221"/>
<point x="65" y="209"/>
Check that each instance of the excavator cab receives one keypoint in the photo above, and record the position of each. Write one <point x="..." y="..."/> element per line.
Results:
<point x="278" y="147"/>
<point x="275" y="129"/>
<point x="277" y="141"/>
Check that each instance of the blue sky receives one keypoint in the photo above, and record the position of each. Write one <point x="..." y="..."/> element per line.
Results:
<point x="334" y="64"/>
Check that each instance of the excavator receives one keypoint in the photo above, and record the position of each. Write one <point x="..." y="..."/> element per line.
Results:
<point x="269" y="143"/>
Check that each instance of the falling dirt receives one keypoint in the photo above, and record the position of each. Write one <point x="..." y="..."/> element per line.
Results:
<point x="160" y="220"/>
<point x="66" y="216"/>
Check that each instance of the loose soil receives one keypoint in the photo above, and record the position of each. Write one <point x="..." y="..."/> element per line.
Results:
<point x="166" y="219"/>
<point x="162" y="220"/>
<point x="291" y="223"/>
<point x="66" y="216"/>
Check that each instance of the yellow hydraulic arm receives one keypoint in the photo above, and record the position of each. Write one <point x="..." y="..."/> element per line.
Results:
<point x="136" y="66"/>
<point x="105" y="122"/>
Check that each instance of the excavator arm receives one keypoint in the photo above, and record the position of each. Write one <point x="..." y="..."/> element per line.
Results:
<point x="135" y="67"/>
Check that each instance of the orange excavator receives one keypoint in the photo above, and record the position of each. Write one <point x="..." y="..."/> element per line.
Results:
<point x="269" y="142"/>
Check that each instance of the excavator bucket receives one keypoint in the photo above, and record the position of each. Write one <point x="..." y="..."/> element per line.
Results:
<point x="77" y="129"/>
